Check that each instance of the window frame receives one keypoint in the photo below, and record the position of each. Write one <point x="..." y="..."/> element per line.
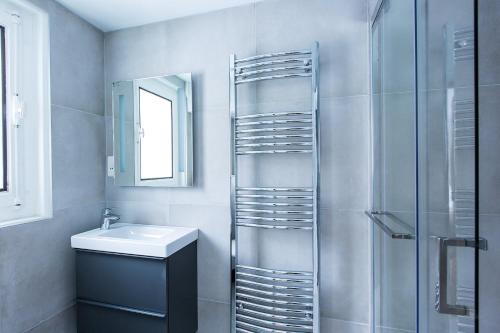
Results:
<point x="3" y="112"/>
<point x="27" y="113"/>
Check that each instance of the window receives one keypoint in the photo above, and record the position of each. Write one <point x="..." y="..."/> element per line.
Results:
<point x="25" y="166"/>
<point x="155" y="114"/>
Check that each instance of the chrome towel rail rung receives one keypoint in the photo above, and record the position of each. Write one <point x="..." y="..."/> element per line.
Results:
<point x="272" y="77"/>
<point x="273" y="122"/>
<point x="271" y="137"/>
<point x="275" y="302"/>
<point x="262" y="284"/>
<point x="274" y="324"/>
<point x="272" y="144"/>
<point x="274" y="114"/>
<point x="272" y="63"/>
<point x="273" y="219"/>
<point x="263" y="196"/>
<point x="273" y="204"/>
<point x="278" y="212"/>
<point x="241" y="330"/>
<point x="275" y="151"/>
<point x="268" y="226"/>
<point x="273" y="271"/>
<point x="243" y="74"/>
<point x="272" y="293"/>
<point x="276" y="317"/>
<point x="274" y="278"/>
<point x="258" y="329"/>
<point x="274" y="129"/>
<point x="267" y="308"/>
<point x="271" y="55"/>
<point x="275" y="189"/>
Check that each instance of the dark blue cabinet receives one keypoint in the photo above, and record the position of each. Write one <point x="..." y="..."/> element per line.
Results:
<point x="132" y="294"/>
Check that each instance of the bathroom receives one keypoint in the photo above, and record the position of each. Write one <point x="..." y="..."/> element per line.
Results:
<point x="328" y="166"/>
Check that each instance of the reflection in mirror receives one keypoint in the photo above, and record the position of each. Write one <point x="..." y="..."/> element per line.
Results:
<point x="152" y="131"/>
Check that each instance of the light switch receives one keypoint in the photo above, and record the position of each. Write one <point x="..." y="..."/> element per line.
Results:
<point x="111" y="166"/>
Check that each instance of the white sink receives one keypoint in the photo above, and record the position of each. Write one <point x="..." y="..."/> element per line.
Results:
<point x="136" y="239"/>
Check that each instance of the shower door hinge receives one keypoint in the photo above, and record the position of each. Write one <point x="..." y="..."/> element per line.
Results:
<point x="19" y="110"/>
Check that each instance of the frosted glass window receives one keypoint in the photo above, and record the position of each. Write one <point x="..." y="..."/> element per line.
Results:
<point x="3" y="115"/>
<point x="156" y="158"/>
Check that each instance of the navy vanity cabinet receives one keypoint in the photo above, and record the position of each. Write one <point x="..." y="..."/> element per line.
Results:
<point x="133" y="294"/>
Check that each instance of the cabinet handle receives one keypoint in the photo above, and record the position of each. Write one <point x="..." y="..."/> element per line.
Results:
<point x="123" y="308"/>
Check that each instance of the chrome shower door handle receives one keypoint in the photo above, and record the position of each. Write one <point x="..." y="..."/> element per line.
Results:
<point x="441" y="305"/>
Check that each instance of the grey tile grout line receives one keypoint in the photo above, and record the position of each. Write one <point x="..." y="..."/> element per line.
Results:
<point x="77" y="110"/>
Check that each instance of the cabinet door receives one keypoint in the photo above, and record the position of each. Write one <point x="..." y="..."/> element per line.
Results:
<point x="102" y="319"/>
<point x="131" y="282"/>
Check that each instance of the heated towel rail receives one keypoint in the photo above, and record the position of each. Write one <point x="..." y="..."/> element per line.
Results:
<point x="266" y="299"/>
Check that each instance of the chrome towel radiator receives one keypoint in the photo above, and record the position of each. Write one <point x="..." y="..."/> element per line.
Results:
<point x="266" y="299"/>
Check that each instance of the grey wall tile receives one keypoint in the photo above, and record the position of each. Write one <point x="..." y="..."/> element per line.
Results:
<point x="340" y="27"/>
<point x="64" y="322"/>
<point x="213" y="223"/>
<point x="330" y="325"/>
<point x="489" y="271"/>
<point x="78" y="150"/>
<point x="372" y="4"/>
<point x="345" y="265"/>
<point x="37" y="267"/>
<point x="489" y="137"/>
<point x="77" y="61"/>
<point x="489" y="52"/>
<point x="345" y="152"/>
<point x="213" y="317"/>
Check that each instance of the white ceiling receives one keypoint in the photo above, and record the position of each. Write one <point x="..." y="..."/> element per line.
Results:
<point x="109" y="15"/>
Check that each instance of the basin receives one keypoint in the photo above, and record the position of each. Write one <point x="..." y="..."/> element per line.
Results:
<point x="136" y="239"/>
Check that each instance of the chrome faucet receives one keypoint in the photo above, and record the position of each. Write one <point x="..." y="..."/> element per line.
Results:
<point x="107" y="217"/>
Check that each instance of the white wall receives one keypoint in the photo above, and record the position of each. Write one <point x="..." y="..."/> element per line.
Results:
<point x="202" y="45"/>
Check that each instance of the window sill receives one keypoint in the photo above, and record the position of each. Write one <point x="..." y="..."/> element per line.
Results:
<point x="24" y="220"/>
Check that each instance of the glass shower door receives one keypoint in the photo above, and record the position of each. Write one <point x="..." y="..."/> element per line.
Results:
<point x="447" y="226"/>
<point x="425" y="239"/>
<point x="393" y="213"/>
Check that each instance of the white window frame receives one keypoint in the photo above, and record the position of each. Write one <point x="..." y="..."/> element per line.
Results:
<point x="29" y="174"/>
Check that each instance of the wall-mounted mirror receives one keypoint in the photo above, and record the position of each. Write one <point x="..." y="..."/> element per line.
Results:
<point x="153" y="131"/>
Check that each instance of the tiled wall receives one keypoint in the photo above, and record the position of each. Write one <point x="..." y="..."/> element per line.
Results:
<point x="202" y="45"/>
<point x="489" y="164"/>
<point x="37" y="288"/>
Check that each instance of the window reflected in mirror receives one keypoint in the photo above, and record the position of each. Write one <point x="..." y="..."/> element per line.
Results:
<point x="155" y="113"/>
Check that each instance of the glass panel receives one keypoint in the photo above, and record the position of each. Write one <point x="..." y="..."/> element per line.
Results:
<point x="394" y="168"/>
<point x="155" y="114"/>
<point x="3" y="114"/>
<point x="446" y="160"/>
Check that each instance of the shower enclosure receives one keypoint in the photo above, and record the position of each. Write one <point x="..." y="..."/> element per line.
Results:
<point x="424" y="212"/>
